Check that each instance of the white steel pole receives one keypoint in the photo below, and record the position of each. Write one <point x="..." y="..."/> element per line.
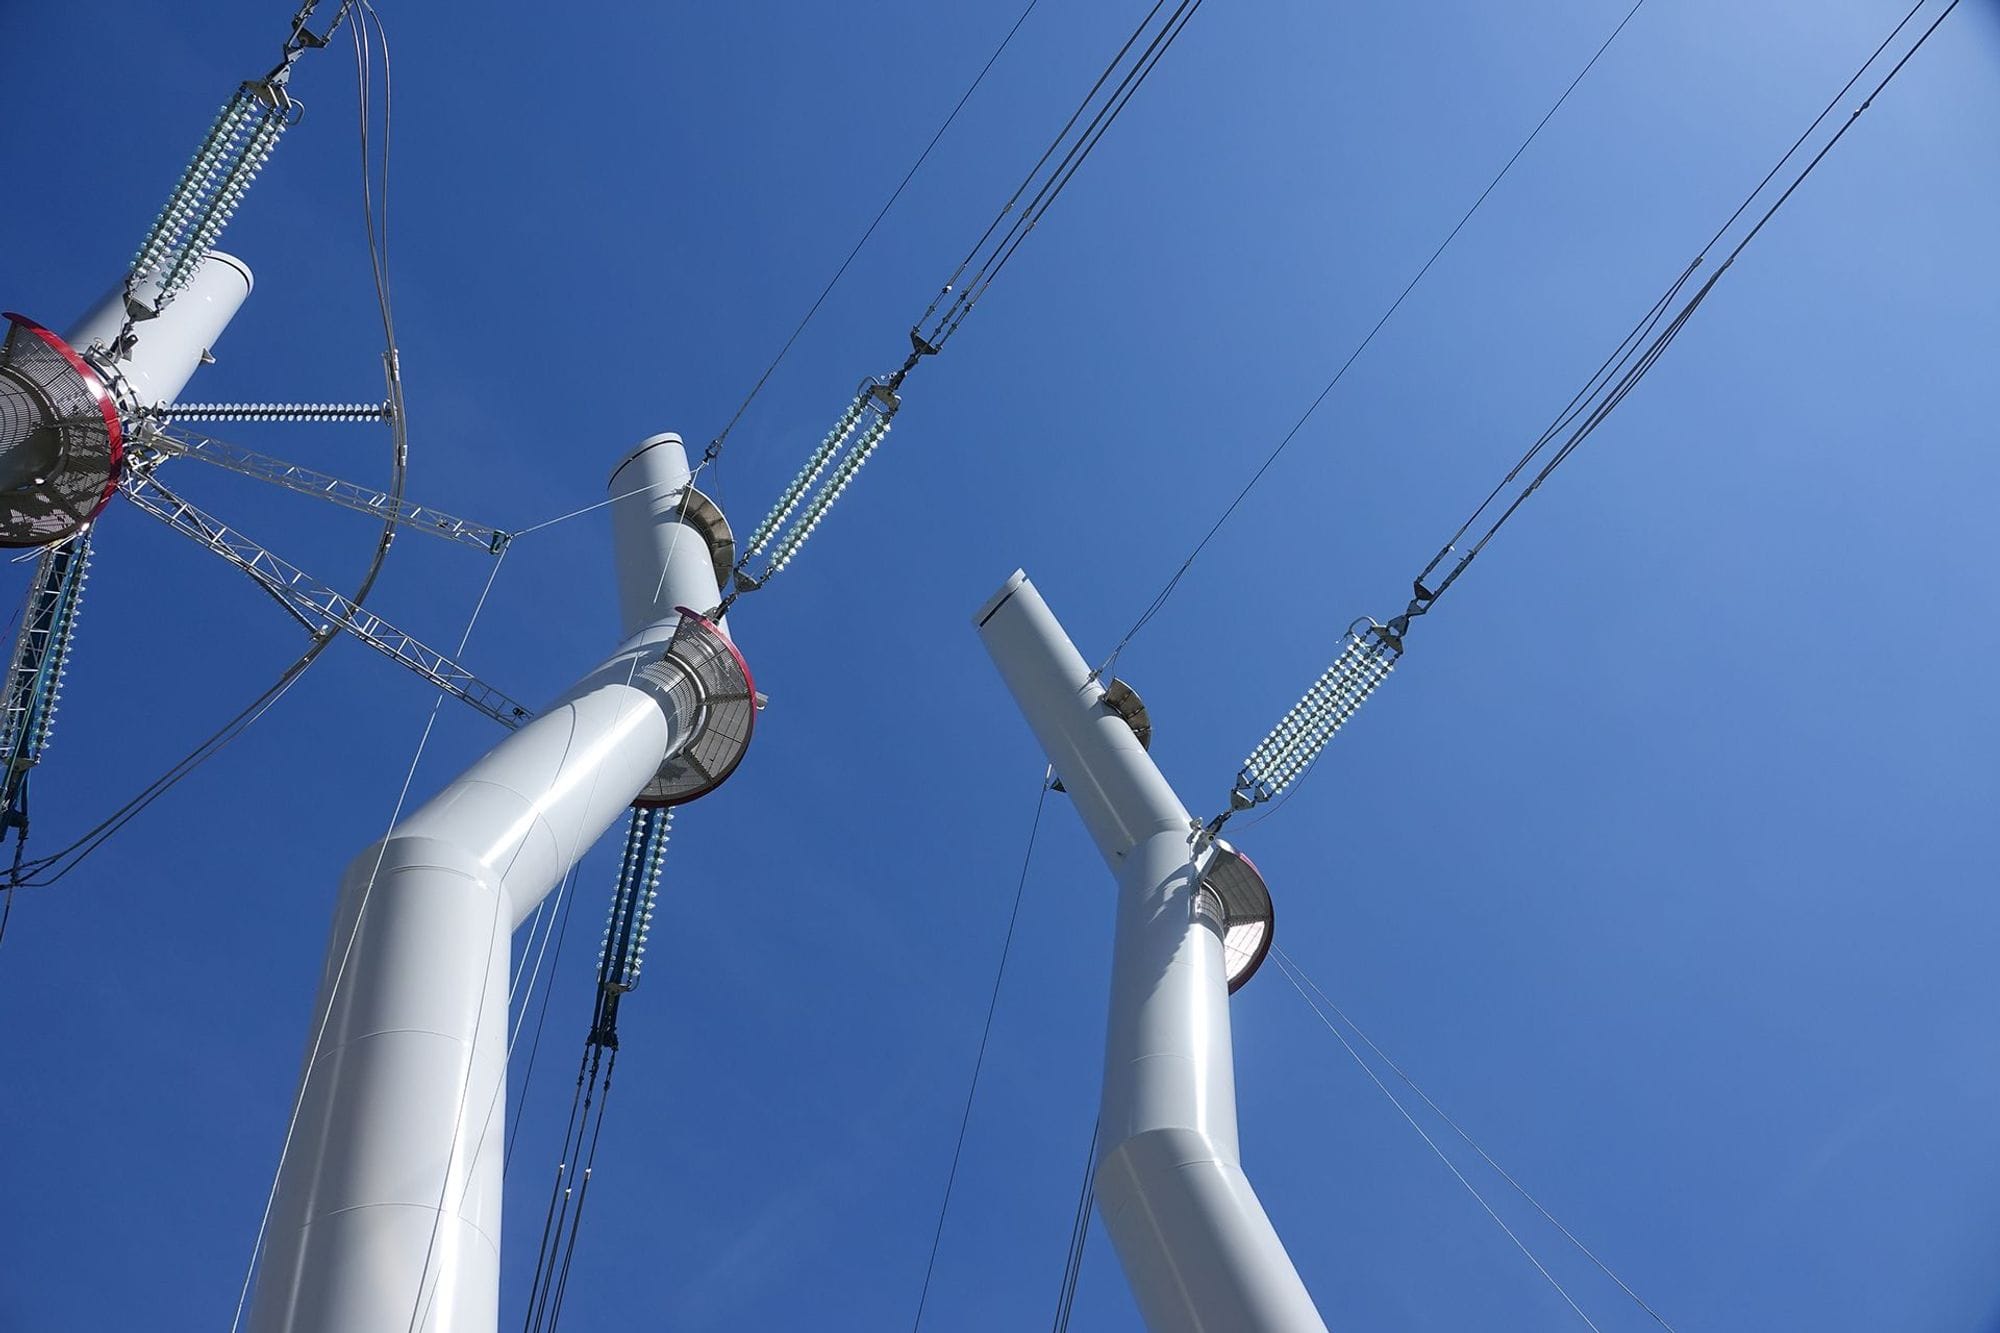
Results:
<point x="387" y="1211"/>
<point x="163" y="351"/>
<point x="1195" y="1243"/>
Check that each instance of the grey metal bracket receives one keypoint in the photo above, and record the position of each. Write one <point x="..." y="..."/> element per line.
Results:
<point x="312" y="600"/>
<point x="310" y="481"/>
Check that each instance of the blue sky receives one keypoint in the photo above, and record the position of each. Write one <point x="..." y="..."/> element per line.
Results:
<point x="1665" y="862"/>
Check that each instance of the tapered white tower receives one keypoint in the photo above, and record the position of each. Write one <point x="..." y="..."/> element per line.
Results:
<point x="387" y="1214"/>
<point x="1193" y="920"/>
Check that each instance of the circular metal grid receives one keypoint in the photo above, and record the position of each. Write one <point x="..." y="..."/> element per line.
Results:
<point x="1239" y="888"/>
<point x="60" y="440"/>
<point x="708" y="682"/>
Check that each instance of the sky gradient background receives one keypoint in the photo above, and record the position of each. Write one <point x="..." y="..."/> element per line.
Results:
<point x="1666" y="861"/>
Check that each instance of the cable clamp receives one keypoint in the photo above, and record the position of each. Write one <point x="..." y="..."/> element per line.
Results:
<point x="920" y="347"/>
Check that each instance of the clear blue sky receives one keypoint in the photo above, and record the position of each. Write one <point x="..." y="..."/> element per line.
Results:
<point x="1666" y="861"/>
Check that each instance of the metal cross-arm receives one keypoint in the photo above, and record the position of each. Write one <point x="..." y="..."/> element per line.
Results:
<point x="310" y="599"/>
<point x="306" y="481"/>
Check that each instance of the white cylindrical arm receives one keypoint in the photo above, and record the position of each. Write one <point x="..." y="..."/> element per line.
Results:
<point x="1115" y="787"/>
<point x="388" y="1206"/>
<point x="167" y="348"/>
<point x="651" y="527"/>
<point x="1195" y="1243"/>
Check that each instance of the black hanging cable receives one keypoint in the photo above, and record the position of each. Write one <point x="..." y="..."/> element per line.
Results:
<point x="1061" y="136"/>
<point x="979" y="1059"/>
<point x="1052" y="186"/>
<point x="535" y="1046"/>
<point x="562" y="1192"/>
<point x="1160" y="598"/>
<point x="7" y="892"/>
<point x="619" y="964"/>
<point x="582" y="1197"/>
<point x="1079" y="1232"/>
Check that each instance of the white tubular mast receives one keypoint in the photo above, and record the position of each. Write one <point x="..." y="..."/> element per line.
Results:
<point x="1190" y="1232"/>
<point x="153" y="356"/>
<point x="387" y="1207"/>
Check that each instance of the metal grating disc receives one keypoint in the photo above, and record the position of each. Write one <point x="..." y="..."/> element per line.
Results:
<point x="709" y="682"/>
<point x="60" y="439"/>
<point x="1246" y="912"/>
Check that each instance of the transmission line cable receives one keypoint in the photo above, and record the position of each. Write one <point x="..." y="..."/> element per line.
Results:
<point x="1079" y="1232"/>
<point x="1642" y="348"/>
<point x="992" y="253"/>
<point x="715" y="445"/>
<point x="1470" y="1142"/>
<point x="1160" y="598"/>
<point x="979" y="1059"/>
<point x="620" y="960"/>
<point x="1368" y="654"/>
<point x="535" y="1046"/>
<point x="1442" y="1156"/>
<point x="864" y="423"/>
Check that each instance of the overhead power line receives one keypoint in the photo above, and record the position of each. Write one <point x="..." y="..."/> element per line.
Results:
<point x="715" y="445"/>
<point x="865" y="422"/>
<point x="1160" y="598"/>
<point x="1044" y="183"/>
<point x="1638" y="352"/>
<point x="1368" y="654"/>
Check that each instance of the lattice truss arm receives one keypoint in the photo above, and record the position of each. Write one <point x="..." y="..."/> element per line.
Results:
<point x="316" y="604"/>
<point x="182" y="443"/>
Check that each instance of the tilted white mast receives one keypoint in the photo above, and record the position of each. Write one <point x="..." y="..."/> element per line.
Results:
<point x="388" y="1201"/>
<point x="1193" y="918"/>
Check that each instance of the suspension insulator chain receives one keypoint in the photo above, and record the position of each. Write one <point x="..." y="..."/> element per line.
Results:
<point x="341" y="413"/>
<point x="815" y="464"/>
<point x="1283" y="756"/>
<point x="220" y="173"/>
<point x="828" y="471"/>
<point x="33" y="685"/>
<point x="631" y="918"/>
<point x="210" y="190"/>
